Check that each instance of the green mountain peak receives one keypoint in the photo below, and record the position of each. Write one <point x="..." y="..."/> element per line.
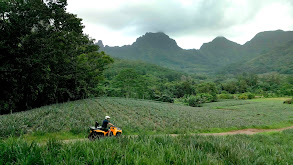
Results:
<point x="157" y="40"/>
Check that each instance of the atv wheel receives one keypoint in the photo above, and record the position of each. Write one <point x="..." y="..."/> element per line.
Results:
<point x="118" y="134"/>
<point x="110" y="134"/>
<point x="94" y="136"/>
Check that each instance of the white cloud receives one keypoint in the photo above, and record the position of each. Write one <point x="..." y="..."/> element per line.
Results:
<point x="189" y="22"/>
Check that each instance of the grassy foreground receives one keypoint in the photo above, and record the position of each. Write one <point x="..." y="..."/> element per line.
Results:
<point x="274" y="148"/>
<point x="148" y="117"/>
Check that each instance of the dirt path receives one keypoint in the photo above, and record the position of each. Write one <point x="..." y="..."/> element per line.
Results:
<point x="243" y="131"/>
<point x="247" y="131"/>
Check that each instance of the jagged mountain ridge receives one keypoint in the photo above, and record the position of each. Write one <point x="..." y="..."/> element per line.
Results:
<point x="159" y="48"/>
<point x="156" y="40"/>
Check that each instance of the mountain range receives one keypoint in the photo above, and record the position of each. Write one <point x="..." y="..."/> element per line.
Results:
<point x="269" y="51"/>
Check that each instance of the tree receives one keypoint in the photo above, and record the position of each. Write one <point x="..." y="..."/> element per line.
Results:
<point x="45" y="57"/>
<point x="209" y="88"/>
<point x="230" y="87"/>
<point x="131" y="84"/>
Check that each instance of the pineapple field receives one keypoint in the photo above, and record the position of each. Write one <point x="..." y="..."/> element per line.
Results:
<point x="149" y="117"/>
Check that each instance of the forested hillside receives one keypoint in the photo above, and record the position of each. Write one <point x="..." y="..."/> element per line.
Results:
<point x="142" y="80"/>
<point x="267" y="41"/>
<point x="222" y="51"/>
<point x="144" y="68"/>
<point x="278" y="60"/>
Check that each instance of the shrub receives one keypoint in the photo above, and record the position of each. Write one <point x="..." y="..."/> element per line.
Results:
<point x="250" y="95"/>
<point x="193" y="101"/>
<point x="206" y="98"/>
<point x="289" y="101"/>
<point x="269" y="94"/>
<point x="225" y="96"/>
<point x="196" y="100"/>
<point x="245" y="96"/>
<point x="209" y="88"/>
<point x="165" y="98"/>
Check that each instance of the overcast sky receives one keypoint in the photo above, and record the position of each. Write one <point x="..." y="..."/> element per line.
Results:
<point x="190" y="22"/>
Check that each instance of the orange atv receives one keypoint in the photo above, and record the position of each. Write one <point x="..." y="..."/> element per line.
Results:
<point x="97" y="132"/>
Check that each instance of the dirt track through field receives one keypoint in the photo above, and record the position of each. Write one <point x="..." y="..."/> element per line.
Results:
<point x="235" y="132"/>
<point x="247" y="131"/>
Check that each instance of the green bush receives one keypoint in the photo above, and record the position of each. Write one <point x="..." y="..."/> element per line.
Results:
<point x="165" y="98"/>
<point x="250" y="95"/>
<point x="209" y="88"/>
<point x="206" y="98"/>
<point x="225" y="96"/>
<point x="196" y="100"/>
<point x="269" y="94"/>
<point x="245" y="96"/>
<point x="193" y="101"/>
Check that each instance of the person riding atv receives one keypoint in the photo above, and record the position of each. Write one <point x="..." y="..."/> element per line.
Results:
<point x="98" y="132"/>
<point x="105" y="124"/>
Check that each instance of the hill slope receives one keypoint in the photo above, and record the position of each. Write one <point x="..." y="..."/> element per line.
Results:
<point x="148" y="117"/>
<point x="142" y="68"/>
<point x="278" y="60"/>
<point x="267" y="41"/>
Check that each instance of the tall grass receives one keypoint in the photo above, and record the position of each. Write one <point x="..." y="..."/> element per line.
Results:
<point x="240" y="149"/>
<point x="148" y="117"/>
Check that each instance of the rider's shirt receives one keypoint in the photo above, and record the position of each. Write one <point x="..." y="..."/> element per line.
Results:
<point x="105" y="123"/>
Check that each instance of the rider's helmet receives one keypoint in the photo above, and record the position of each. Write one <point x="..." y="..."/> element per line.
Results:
<point x="107" y="117"/>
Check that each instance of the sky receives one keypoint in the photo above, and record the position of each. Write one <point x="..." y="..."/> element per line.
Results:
<point x="190" y="22"/>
